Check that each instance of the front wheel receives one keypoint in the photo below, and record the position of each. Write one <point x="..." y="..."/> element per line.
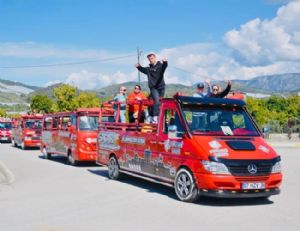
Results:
<point x="13" y="143"/>
<point x="113" y="168"/>
<point x="47" y="155"/>
<point x="23" y="147"/>
<point x="185" y="186"/>
<point x="71" y="159"/>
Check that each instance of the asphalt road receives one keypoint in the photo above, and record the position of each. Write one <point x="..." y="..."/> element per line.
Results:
<point x="43" y="195"/>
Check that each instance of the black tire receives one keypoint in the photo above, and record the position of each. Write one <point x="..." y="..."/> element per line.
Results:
<point x="22" y="146"/>
<point x="46" y="155"/>
<point x="71" y="160"/>
<point x="185" y="186"/>
<point x="13" y="143"/>
<point x="113" y="168"/>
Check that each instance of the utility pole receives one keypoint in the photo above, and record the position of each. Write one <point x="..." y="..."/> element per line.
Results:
<point x="139" y="53"/>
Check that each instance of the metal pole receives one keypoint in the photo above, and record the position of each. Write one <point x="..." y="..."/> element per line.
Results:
<point x="139" y="52"/>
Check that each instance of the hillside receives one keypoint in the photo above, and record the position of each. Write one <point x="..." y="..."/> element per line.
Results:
<point x="273" y="83"/>
<point x="15" y="92"/>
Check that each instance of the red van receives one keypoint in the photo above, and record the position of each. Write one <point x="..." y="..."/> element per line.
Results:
<point x="26" y="131"/>
<point x="200" y="146"/>
<point x="72" y="134"/>
<point x="5" y="130"/>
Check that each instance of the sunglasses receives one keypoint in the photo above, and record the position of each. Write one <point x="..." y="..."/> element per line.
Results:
<point x="123" y="90"/>
<point x="215" y="89"/>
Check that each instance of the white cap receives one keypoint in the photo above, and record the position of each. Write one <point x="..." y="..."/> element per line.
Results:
<point x="151" y="53"/>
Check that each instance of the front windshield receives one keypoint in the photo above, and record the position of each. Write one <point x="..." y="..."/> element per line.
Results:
<point x="219" y="121"/>
<point x="33" y="124"/>
<point x="5" y="125"/>
<point x="88" y="123"/>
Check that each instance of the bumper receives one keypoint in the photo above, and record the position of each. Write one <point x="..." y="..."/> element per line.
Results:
<point x="239" y="194"/>
<point x="5" y="139"/>
<point x="231" y="186"/>
<point x="86" y="155"/>
<point x="32" y="144"/>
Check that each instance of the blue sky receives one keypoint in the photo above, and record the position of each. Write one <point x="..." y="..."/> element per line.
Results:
<point x="115" y="27"/>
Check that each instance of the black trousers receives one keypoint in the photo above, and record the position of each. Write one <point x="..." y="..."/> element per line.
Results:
<point x="156" y="94"/>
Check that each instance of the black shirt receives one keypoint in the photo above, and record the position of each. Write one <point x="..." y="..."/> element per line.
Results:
<point x="155" y="74"/>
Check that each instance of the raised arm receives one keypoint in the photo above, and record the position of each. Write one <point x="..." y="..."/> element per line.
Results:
<point x="227" y="90"/>
<point x="164" y="64"/>
<point x="141" y="69"/>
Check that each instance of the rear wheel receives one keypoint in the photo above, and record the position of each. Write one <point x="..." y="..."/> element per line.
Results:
<point x="113" y="168"/>
<point x="185" y="186"/>
<point x="71" y="159"/>
<point x="46" y="154"/>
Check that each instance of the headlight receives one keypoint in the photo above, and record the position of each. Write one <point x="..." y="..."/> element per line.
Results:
<point x="27" y="138"/>
<point x="276" y="168"/>
<point x="91" y="140"/>
<point x="215" y="167"/>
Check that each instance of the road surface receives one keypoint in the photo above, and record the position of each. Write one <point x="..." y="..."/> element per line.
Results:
<point x="44" y="195"/>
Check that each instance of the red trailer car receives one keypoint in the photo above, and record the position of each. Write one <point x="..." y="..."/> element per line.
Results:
<point x="73" y="134"/>
<point x="26" y="131"/>
<point x="5" y="130"/>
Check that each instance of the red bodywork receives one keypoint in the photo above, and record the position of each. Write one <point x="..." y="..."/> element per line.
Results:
<point x="5" y="130"/>
<point x="73" y="133"/>
<point x="27" y="130"/>
<point x="148" y="151"/>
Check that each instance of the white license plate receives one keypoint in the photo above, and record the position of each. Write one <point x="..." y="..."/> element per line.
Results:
<point x="253" y="185"/>
<point x="4" y="138"/>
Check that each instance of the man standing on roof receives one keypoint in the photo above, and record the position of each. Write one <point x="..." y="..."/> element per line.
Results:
<point x="155" y="73"/>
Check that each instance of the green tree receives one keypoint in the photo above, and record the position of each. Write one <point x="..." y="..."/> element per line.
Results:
<point x="41" y="104"/>
<point x="2" y="112"/>
<point x="87" y="100"/>
<point x="65" y="98"/>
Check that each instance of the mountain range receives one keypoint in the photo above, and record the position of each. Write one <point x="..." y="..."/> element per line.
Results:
<point x="16" y="92"/>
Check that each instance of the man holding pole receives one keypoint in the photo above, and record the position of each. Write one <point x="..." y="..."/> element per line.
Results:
<point x="155" y="73"/>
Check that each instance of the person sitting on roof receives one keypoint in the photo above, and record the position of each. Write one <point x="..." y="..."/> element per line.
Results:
<point x="137" y="94"/>
<point x="217" y="93"/>
<point x="200" y="89"/>
<point x="121" y="98"/>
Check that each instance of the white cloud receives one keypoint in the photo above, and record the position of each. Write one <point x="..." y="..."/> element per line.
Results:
<point x="263" y="42"/>
<point x="50" y="83"/>
<point x="86" y="80"/>
<point x="258" y="47"/>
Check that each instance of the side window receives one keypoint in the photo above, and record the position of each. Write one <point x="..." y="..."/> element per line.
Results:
<point x="172" y="118"/>
<point x="47" y="123"/>
<point x="55" y="122"/>
<point x="74" y="121"/>
<point x="168" y="119"/>
<point x="65" y="121"/>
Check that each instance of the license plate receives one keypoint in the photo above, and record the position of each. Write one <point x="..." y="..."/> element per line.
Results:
<point x="253" y="185"/>
<point x="4" y="138"/>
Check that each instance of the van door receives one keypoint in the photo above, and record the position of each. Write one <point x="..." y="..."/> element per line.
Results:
<point x="64" y="135"/>
<point x="170" y="146"/>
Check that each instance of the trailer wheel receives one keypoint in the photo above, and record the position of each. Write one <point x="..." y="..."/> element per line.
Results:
<point x="23" y="147"/>
<point x="185" y="187"/>
<point x="113" y="168"/>
<point x="71" y="159"/>
<point x="47" y="155"/>
<point x="13" y="143"/>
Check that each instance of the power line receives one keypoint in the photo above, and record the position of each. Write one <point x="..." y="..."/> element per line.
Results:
<point x="68" y="64"/>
